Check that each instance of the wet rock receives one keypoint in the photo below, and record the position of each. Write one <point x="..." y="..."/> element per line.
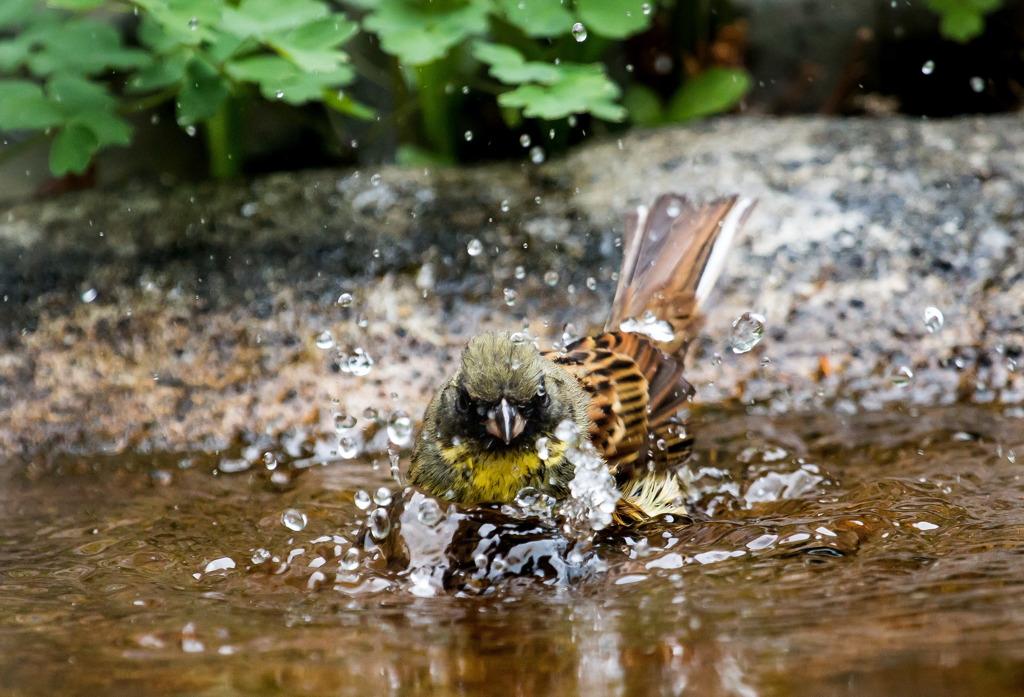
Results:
<point x="187" y="318"/>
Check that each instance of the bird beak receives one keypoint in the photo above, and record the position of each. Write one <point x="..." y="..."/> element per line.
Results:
<point x="505" y="422"/>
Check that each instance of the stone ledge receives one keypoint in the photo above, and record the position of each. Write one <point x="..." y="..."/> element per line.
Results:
<point x="209" y="298"/>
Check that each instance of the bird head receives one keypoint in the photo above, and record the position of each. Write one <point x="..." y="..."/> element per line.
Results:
<point x="506" y="395"/>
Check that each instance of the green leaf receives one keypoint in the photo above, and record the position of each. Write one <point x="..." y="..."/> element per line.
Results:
<point x="202" y="92"/>
<point x="278" y="78"/>
<point x="169" y="70"/>
<point x="580" y="89"/>
<point x="713" y="91"/>
<point x="314" y="46"/>
<point x="84" y="46"/>
<point x="342" y="103"/>
<point x="14" y="52"/>
<point x="417" y="35"/>
<point x="615" y="19"/>
<point x="24" y="106"/>
<point x="413" y="156"/>
<point x="72" y="150"/>
<point x="963" y="20"/>
<point x="76" y="94"/>
<point x="188" y="22"/>
<point x="108" y="128"/>
<point x="75" y="4"/>
<point x="538" y="18"/>
<point x="509" y="66"/>
<point x="261" y="17"/>
<point x="15" y="12"/>
<point x="643" y="105"/>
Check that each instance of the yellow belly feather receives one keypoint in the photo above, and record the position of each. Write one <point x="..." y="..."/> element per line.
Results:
<point x="497" y="475"/>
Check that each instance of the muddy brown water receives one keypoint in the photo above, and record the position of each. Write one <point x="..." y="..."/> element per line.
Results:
<point x="868" y="554"/>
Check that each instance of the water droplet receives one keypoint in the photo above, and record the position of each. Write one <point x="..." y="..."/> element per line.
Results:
<point x="260" y="555"/>
<point x="520" y="338"/>
<point x="357" y="363"/>
<point x="475" y="247"/>
<point x="569" y="334"/>
<point x="933" y="319"/>
<point x="249" y="209"/>
<point x="746" y="332"/>
<point x="510" y="296"/>
<point x="380" y="525"/>
<point x="190" y="130"/>
<point x="193" y="23"/>
<point x="765" y="361"/>
<point x="362" y="499"/>
<point x="928" y="68"/>
<point x="902" y="376"/>
<point x="567" y="432"/>
<point x="649" y="325"/>
<point x="504" y="206"/>
<point x="519" y="273"/>
<point x="269" y="461"/>
<point x="674" y="209"/>
<point x="542" y="448"/>
<point x="325" y="339"/>
<point x="551" y="278"/>
<point x="978" y="84"/>
<point x="429" y="512"/>
<point x="294" y="519"/>
<point x="468" y="135"/>
<point x="579" y="32"/>
<point x="375" y="180"/>
<point x="646" y="8"/>
<point x="400" y="429"/>
<point x="350" y="562"/>
<point x="537" y="154"/>
<point x="343" y="422"/>
<point x="89" y="295"/>
<point x="524" y="140"/>
<point x="349" y="447"/>
<point x="279" y="94"/>
<point x="345" y="300"/>
<point x="591" y="282"/>
<point x="382" y="497"/>
<point x="480" y="560"/>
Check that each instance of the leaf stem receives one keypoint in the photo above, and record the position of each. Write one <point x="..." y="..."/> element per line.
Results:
<point x="223" y="133"/>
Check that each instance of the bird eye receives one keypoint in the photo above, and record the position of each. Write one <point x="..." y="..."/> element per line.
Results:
<point x="462" y="403"/>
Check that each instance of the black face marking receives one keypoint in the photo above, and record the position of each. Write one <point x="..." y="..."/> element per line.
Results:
<point x="473" y="414"/>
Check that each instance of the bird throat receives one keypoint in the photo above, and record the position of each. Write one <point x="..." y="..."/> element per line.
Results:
<point x="498" y="475"/>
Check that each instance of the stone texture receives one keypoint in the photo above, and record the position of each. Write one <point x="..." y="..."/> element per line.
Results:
<point x="209" y="299"/>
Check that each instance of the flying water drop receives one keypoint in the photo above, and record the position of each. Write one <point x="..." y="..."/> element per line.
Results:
<point x="902" y="376"/>
<point x="400" y="429"/>
<point x="747" y="332"/>
<point x="294" y="519"/>
<point x="325" y="339"/>
<point x="933" y="319"/>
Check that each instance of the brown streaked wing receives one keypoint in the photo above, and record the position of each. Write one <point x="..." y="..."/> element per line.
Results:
<point x="667" y="390"/>
<point x="618" y="399"/>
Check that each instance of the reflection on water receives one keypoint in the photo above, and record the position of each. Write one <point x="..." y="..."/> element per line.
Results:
<point x="829" y="554"/>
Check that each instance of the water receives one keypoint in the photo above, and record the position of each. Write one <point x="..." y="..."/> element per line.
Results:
<point x="831" y="554"/>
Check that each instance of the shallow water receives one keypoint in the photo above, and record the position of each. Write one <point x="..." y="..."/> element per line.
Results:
<point x="877" y="553"/>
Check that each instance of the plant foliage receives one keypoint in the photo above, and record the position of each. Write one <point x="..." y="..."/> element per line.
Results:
<point x="67" y="70"/>
<point x="963" y="20"/>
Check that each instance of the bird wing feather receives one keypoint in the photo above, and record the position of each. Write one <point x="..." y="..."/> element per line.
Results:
<point x="672" y="254"/>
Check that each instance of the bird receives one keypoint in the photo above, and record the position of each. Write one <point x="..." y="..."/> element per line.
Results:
<point x="509" y="416"/>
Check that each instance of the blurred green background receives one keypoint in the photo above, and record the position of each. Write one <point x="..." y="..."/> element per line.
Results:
<point x="106" y="89"/>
